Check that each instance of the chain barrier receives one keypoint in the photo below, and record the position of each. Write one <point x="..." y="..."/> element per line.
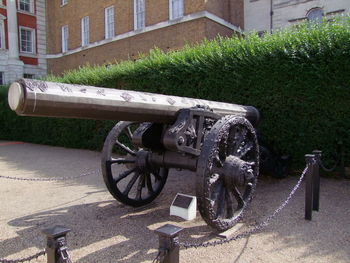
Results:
<point x="329" y="169"/>
<point x="63" y="178"/>
<point x="26" y="259"/>
<point x="255" y="229"/>
<point x="160" y="256"/>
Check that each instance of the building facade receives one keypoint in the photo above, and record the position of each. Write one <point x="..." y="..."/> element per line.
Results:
<point x="99" y="32"/>
<point x="269" y="15"/>
<point x="52" y="36"/>
<point x="22" y="39"/>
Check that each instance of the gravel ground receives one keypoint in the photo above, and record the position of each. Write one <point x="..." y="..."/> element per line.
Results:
<point x="104" y="230"/>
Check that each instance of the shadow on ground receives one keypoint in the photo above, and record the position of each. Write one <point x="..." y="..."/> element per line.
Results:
<point x="107" y="231"/>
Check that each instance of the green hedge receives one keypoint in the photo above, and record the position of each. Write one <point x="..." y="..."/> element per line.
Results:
<point x="298" y="78"/>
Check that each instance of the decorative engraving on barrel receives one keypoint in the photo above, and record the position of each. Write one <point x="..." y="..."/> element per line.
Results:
<point x="101" y="92"/>
<point x="142" y="97"/>
<point x="34" y="84"/>
<point x="64" y="87"/>
<point x="126" y="96"/>
<point x="171" y="101"/>
<point x="83" y="90"/>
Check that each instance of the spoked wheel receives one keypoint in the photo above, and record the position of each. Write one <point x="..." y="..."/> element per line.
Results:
<point x="227" y="171"/>
<point x="125" y="171"/>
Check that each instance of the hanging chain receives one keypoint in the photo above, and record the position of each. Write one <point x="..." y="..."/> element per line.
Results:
<point x="21" y="260"/>
<point x="329" y="169"/>
<point x="63" y="178"/>
<point x="162" y="252"/>
<point x="255" y="229"/>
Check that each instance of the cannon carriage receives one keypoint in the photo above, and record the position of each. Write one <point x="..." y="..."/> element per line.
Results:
<point x="156" y="133"/>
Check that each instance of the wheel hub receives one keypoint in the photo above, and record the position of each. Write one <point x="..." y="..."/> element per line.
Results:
<point x="141" y="161"/>
<point x="236" y="171"/>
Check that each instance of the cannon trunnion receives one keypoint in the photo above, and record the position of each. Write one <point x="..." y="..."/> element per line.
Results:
<point x="216" y="140"/>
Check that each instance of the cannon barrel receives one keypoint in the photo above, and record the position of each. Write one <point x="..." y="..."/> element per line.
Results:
<point x="29" y="97"/>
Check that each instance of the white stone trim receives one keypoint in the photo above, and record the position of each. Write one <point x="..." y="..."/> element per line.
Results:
<point x="190" y="17"/>
<point x="41" y="35"/>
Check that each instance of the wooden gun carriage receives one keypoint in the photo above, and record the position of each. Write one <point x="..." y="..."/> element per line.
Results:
<point x="158" y="132"/>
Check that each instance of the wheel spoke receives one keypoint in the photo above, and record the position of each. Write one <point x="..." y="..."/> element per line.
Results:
<point x="246" y="149"/>
<point x="128" y="132"/>
<point x="229" y="204"/>
<point x="149" y="183"/>
<point x="242" y="134"/>
<point x="130" y="184"/>
<point x="216" y="188"/>
<point x="221" y="203"/>
<point x="125" y="148"/>
<point x="238" y="196"/>
<point x="156" y="175"/>
<point x="120" y="161"/>
<point x="123" y="175"/>
<point x="140" y="186"/>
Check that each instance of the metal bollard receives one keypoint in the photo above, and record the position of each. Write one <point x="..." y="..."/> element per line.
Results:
<point x="56" y="246"/>
<point x="316" y="181"/>
<point x="310" y="160"/>
<point x="169" y="250"/>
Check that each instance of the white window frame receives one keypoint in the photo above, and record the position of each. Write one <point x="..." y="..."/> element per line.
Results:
<point x="139" y="14"/>
<point x="33" y="39"/>
<point x="109" y="22"/>
<point x="31" y="7"/>
<point x="85" y="31"/>
<point x="64" y="38"/>
<point x="176" y="9"/>
<point x="2" y="34"/>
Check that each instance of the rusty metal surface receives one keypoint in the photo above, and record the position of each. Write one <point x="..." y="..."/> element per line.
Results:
<point x="38" y="98"/>
<point x="227" y="172"/>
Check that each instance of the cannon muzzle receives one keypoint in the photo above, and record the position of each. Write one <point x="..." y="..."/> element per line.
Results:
<point x="29" y="97"/>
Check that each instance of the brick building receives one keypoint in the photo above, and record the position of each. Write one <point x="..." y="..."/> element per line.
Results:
<point x="98" y="32"/>
<point x="22" y="39"/>
<point x="52" y="36"/>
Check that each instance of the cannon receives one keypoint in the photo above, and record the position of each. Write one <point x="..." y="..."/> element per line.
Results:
<point x="156" y="132"/>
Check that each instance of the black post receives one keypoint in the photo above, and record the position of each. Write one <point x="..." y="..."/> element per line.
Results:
<point x="316" y="181"/>
<point x="310" y="160"/>
<point x="342" y="161"/>
<point x="56" y="245"/>
<point x="168" y="243"/>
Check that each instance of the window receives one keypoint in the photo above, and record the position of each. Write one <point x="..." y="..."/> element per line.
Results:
<point x="85" y="31"/>
<point x="2" y="34"/>
<point x="109" y="22"/>
<point x="28" y="76"/>
<point x="64" y="2"/>
<point x="139" y="14"/>
<point x="176" y="9"/>
<point x="2" y="79"/>
<point x="315" y="15"/>
<point x="27" y="39"/>
<point x="64" y="32"/>
<point x="26" y="5"/>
